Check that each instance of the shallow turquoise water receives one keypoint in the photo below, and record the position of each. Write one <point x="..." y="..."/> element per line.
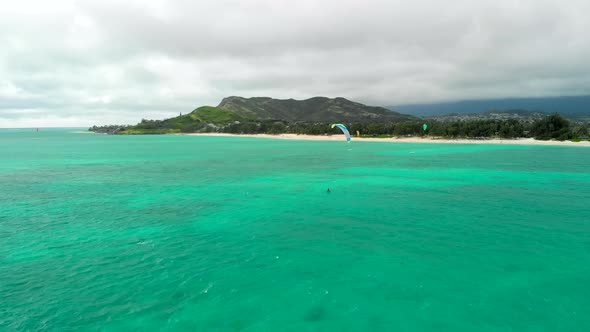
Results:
<point x="179" y="233"/>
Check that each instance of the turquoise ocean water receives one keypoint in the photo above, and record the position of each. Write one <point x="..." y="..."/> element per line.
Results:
<point x="181" y="233"/>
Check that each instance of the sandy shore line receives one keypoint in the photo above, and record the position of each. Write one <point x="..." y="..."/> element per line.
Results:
<point x="523" y="141"/>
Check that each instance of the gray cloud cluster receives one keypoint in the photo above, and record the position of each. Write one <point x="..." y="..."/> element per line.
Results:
<point x="70" y="63"/>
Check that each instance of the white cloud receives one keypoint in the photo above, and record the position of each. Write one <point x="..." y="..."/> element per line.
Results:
<point x="98" y="62"/>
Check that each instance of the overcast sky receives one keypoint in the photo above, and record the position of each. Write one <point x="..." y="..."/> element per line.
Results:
<point x="78" y="63"/>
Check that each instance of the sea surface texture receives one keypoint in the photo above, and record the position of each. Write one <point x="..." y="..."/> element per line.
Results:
<point x="185" y="233"/>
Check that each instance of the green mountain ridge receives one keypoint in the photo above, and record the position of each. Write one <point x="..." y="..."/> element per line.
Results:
<point x="317" y="109"/>
<point x="258" y="110"/>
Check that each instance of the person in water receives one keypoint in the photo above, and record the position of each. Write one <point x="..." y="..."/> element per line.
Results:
<point x="329" y="191"/>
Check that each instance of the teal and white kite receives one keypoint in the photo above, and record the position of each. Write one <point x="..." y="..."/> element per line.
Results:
<point x="344" y="130"/>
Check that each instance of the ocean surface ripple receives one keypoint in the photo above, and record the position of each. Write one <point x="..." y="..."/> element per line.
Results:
<point x="183" y="233"/>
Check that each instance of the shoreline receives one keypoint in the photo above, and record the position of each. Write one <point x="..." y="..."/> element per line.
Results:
<point x="427" y="140"/>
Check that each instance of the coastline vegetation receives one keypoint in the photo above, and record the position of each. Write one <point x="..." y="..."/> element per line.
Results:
<point x="215" y="120"/>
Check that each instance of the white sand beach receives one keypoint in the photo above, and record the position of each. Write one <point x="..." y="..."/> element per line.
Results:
<point x="434" y="140"/>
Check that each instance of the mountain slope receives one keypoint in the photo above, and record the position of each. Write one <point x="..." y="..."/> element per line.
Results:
<point x="575" y="106"/>
<point x="317" y="109"/>
<point x="197" y="119"/>
<point x="244" y="114"/>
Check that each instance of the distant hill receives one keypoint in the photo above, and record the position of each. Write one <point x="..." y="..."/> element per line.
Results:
<point x="521" y="115"/>
<point x="317" y="109"/>
<point x="574" y="107"/>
